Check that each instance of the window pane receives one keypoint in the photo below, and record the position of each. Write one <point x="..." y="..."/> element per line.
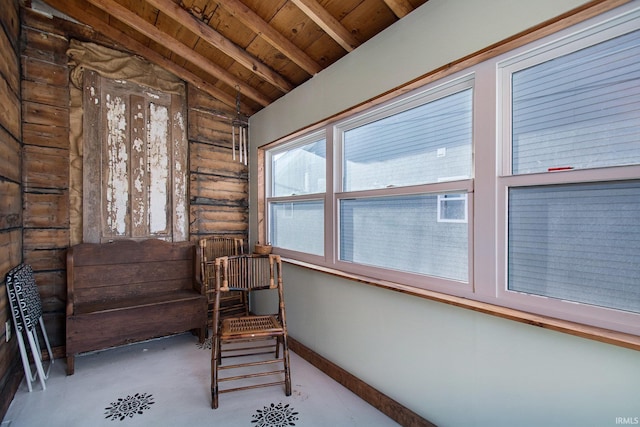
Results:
<point x="300" y="170"/>
<point x="580" y="110"/>
<point x="577" y="242"/>
<point x="298" y="226"/>
<point x="452" y="207"/>
<point x="403" y="233"/>
<point x="423" y="145"/>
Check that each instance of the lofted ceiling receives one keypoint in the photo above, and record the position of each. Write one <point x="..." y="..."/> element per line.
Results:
<point x="261" y="49"/>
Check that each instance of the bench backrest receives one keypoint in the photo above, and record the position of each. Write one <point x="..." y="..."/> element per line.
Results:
<point x="128" y="268"/>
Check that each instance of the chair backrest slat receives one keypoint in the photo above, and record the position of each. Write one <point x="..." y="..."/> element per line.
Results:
<point x="248" y="272"/>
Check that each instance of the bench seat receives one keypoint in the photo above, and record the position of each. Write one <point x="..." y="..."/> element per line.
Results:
<point x="128" y="291"/>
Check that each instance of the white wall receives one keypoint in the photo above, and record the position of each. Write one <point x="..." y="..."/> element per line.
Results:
<point x="453" y="366"/>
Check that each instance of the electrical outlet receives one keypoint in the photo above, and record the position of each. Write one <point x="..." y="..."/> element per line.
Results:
<point x="7" y="330"/>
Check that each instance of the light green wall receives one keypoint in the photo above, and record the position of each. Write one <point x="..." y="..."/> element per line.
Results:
<point x="453" y="366"/>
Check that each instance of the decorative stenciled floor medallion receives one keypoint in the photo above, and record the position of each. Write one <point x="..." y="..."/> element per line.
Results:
<point x="129" y="406"/>
<point x="275" y="416"/>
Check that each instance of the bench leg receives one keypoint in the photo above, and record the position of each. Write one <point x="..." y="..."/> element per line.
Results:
<point x="202" y="334"/>
<point x="70" y="364"/>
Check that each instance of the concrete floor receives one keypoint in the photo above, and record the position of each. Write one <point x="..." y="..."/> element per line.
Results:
<point x="166" y="382"/>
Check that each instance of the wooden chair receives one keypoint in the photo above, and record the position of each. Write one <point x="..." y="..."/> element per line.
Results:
<point x="210" y="249"/>
<point x="253" y="341"/>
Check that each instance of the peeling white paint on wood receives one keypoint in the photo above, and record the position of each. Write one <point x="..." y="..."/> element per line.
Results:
<point x="143" y="169"/>
<point x="180" y="176"/>
<point x="92" y="94"/>
<point x="117" y="186"/>
<point x="158" y="167"/>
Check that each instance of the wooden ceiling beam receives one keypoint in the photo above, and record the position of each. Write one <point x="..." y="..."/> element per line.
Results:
<point x="217" y="40"/>
<point x="249" y="18"/>
<point x="328" y="23"/>
<point x="129" y="18"/>
<point x="400" y="8"/>
<point x="79" y="14"/>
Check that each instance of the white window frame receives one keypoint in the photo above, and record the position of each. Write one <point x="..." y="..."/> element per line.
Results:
<point x="591" y="32"/>
<point x="457" y="197"/>
<point x="487" y="192"/>
<point x="432" y="92"/>
<point x="305" y="139"/>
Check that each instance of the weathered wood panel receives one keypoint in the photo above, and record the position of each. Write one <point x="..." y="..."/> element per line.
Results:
<point x="55" y="323"/>
<point x="11" y="250"/>
<point x="46" y="209"/>
<point x="200" y="99"/>
<point x="40" y="71"/>
<point x="45" y="114"/>
<point x="45" y="168"/>
<point x="43" y="44"/>
<point x="9" y="157"/>
<point x="207" y="127"/>
<point x="10" y="176"/>
<point x="10" y="205"/>
<point x="44" y="93"/>
<point x="218" y="184"/>
<point x="213" y="159"/>
<point x="46" y="259"/>
<point x="9" y="109"/>
<point x="10" y="20"/>
<point x="219" y="190"/>
<point x="219" y="220"/>
<point x="9" y="361"/>
<point x="9" y="66"/>
<point x="52" y="287"/>
<point x="45" y="136"/>
<point x="51" y="238"/>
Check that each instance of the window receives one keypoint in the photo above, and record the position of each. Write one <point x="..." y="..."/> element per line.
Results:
<point x="579" y="110"/>
<point x="402" y="233"/>
<point x="296" y="202"/>
<point x="394" y="161"/>
<point x="515" y="182"/>
<point x="576" y="242"/>
<point x="573" y="213"/>
<point x="452" y="208"/>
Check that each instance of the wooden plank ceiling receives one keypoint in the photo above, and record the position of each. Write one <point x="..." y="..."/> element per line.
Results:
<point x="263" y="48"/>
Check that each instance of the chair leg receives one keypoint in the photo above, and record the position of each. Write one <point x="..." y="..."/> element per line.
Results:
<point x="215" y="361"/>
<point x="287" y="367"/>
<point x="25" y="361"/>
<point x="35" y="352"/>
<point x="46" y="341"/>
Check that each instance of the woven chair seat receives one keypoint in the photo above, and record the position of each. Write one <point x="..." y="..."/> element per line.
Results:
<point x="250" y="325"/>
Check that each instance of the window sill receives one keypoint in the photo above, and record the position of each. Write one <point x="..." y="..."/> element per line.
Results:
<point x="580" y="330"/>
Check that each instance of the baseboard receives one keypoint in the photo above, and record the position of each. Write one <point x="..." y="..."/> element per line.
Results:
<point x="375" y="398"/>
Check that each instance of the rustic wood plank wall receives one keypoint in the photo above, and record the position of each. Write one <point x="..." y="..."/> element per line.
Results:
<point x="10" y="189"/>
<point x="219" y="187"/>
<point x="34" y="168"/>
<point x="45" y="160"/>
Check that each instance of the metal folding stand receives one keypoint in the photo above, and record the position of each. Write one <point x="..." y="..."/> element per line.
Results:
<point x="26" y="310"/>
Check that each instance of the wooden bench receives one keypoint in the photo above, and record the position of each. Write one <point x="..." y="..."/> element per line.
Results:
<point x="129" y="291"/>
